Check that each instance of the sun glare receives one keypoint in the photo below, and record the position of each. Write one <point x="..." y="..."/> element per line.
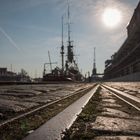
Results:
<point x="111" y="17"/>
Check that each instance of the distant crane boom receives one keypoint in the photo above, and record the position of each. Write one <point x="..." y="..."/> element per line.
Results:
<point x="50" y="60"/>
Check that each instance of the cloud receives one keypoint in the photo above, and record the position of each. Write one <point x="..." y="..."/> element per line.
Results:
<point x="10" y="39"/>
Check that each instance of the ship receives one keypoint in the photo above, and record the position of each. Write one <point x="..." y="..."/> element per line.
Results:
<point x="69" y="70"/>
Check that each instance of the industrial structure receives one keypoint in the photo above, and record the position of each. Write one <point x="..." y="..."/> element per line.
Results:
<point x="95" y="76"/>
<point x="94" y="71"/>
<point x="124" y="65"/>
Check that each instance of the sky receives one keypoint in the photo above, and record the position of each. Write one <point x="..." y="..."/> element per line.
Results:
<point x="31" y="28"/>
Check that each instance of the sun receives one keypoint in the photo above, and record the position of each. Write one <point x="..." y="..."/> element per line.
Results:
<point x="111" y="17"/>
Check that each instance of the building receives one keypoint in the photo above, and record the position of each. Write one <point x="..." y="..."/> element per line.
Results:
<point x="7" y="75"/>
<point x="3" y="72"/>
<point x="10" y="76"/>
<point x="124" y="65"/>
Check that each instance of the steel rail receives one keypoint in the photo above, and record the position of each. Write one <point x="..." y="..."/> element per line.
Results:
<point x="42" y="107"/>
<point x="123" y="96"/>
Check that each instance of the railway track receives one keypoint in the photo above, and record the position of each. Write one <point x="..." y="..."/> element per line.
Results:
<point x="110" y="114"/>
<point x="21" y="125"/>
<point x="129" y="99"/>
<point x="126" y="97"/>
<point x="122" y="101"/>
<point x="42" y="107"/>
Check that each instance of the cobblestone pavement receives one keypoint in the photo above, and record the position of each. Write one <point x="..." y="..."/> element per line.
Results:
<point x="117" y="120"/>
<point x="20" y="98"/>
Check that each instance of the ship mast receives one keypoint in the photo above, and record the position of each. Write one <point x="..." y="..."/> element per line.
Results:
<point x="70" y="58"/>
<point x="62" y="48"/>
<point x="69" y="40"/>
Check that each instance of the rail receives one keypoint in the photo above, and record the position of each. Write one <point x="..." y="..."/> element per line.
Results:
<point x="43" y="106"/>
<point x="126" y="97"/>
